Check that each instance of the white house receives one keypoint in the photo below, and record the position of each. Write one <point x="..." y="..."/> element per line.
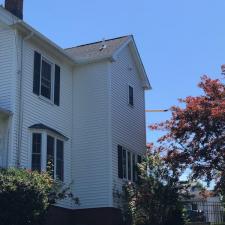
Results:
<point x="81" y="108"/>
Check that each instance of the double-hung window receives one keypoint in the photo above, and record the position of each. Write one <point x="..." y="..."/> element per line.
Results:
<point x="127" y="164"/>
<point x="46" y="79"/>
<point x="36" y="151"/>
<point x="48" y="154"/>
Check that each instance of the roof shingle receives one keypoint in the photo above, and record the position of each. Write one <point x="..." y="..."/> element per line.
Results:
<point x="94" y="51"/>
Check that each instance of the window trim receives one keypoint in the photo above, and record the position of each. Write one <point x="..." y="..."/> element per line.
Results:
<point x="128" y="97"/>
<point x="132" y="166"/>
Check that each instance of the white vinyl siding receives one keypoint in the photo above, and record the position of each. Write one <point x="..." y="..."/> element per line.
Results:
<point x="128" y="123"/>
<point x="91" y="147"/>
<point x="7" y="67"/>
<point x="37" y="110"/>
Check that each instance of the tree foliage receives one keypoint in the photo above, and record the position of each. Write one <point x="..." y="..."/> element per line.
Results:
<point x="195" y="134"/>
<point x="155" y="199"/>
<point x="25" y="196"/>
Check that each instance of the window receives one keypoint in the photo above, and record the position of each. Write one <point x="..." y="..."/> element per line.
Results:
<point x="59" y="160"/>
<point x="194" y="206"/>
<point x="127" y="162"/>
<point x="53" y="153"/>
<point x="46" y="79"/>
<point x="131" y="95"/>
<point x="124" y="163"/>
<point x="129" y="165"/>
<point x="36" y="152"/>
<point x="134" y="162"/>
<point x="50" y="162"/>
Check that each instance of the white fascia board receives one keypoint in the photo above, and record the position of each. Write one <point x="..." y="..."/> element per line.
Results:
<point x="140" y="66"/>
<point x="15" y="23"/>
<point x="117" y="52"/>
<point x="26" y="29"/>
<point x="130" y="42"/>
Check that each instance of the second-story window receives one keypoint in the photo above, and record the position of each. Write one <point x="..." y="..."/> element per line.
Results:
<point x="130" y="95"/>
<point x="46" y="79"/>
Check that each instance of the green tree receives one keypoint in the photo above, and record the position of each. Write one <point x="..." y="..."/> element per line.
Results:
<point x="155" y="198"/>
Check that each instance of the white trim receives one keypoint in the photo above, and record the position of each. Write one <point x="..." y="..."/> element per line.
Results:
<point x="14" y="22"/>
<point x="133" y="47"/>
<point x="119" y="50"/>
<point x="125" y="179"/>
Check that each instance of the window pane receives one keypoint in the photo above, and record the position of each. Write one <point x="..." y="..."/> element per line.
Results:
<point x="36" y="152"/>
<point x="50" y="155"/>
<point x="134" y="162"/>
<point x="131" y="95"/>
<point x="129" y="165"/>
<point x="46" y="79"/>
<point x="60" y="160"/>
<point x="124" y="163"/>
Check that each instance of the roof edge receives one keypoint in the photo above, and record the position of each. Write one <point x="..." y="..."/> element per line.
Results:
<point x="137" y="57"/>
<point x="26" y="29"/>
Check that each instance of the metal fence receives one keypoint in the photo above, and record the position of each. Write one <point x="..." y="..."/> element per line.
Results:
<point x="203" y="211"/>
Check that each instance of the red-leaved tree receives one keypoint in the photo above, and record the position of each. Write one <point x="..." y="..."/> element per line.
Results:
<point x="195" y="134"/>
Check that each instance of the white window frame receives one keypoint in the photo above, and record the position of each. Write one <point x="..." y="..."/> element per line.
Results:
<point x="43" y="58"/>
<point x="125" y="178"/>
<point x="44" y="135"/>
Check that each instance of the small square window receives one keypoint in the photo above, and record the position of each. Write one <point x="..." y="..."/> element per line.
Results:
<point x="131" y="95"/>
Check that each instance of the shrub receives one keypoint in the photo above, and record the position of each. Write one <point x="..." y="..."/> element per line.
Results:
<point x="155" y="198"/>
<point x="26" y="196"/>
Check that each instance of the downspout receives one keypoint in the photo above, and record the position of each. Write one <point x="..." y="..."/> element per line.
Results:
<point x="21" y="101"/>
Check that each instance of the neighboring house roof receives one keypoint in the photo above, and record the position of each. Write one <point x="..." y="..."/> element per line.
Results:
<point x="41" y="126"/>
<point x="83" y="54"/>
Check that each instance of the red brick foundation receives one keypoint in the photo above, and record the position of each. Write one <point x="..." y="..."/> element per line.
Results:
<point x="95" y="216"/>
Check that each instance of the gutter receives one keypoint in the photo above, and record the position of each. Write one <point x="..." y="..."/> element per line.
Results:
<point x="27" y="30"/>
<point x="21" y="98"/>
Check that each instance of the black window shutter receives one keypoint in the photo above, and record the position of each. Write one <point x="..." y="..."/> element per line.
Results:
<point x="57" y="85"/>
<point x="120" y="162"/>
<point x="37" y="73"/>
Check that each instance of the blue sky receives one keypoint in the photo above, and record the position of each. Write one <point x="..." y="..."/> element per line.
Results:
<point x="179" y="40"/>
